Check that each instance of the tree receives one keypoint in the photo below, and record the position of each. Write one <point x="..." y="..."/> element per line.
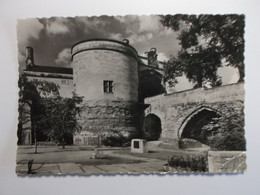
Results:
<point x="173" y="69"/>
<point x="60" y="117"/>
<point x="54" y="115"/>
<point x="30" y="96"/>
<point x="208" y="41"/>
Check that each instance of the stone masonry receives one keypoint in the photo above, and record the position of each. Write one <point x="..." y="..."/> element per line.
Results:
<point x="176" y="109"/>
<point x="121" y="110"/>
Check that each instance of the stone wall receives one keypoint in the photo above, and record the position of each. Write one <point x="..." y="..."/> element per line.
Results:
<point x="226" y="161"/>
<point x="105" y="113"/>
<point x="176" y="109"/>
<point x="100" y="119"/>
<point x="92" y="68"/>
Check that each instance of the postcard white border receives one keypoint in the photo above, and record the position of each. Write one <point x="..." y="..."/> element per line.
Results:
<point x="247" y="183"/>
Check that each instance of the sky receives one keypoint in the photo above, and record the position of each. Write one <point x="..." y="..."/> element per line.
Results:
<point x="52" y="39"/>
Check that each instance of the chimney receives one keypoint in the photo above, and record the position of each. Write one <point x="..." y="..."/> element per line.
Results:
<point x="29" y="57"/>
<point x="152" y="58"/>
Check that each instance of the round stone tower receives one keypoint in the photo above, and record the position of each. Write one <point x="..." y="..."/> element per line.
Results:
<point x="105" y="73"/>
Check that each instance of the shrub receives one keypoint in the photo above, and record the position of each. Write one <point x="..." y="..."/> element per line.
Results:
<point x="190" y="163"/>
<point x="116" y="140"/>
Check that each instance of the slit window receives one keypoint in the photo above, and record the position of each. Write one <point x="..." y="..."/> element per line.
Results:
<point x="108" y="87"/>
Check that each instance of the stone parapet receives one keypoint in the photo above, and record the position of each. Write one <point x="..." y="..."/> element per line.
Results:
<point x="175" y="110"/>
<point x="103" y="44"/>
<point x="226" y="161"/>
<point x="217" y="94"/>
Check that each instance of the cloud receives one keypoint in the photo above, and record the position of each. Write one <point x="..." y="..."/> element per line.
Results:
<point x="56" y="26"/>
<point x="91" y="24"/>
<point x="145" y="32"/>
<point x="63" y="58"/>
<point x="130" y="23"/>
<point x="21" y="61"/>
<point x="149" y="24"/>
<point x="228" y="74"/>
<point x="135" y="24"/>
<point x="183" y="84"/>
<point x="139" y="28"/>
<point x="28" y="28"/>
<point x="115" y="36"/>
<point x="140" y="37"/>
<point x="162" y="57"/>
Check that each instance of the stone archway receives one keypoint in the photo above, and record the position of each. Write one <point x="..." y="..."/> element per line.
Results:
<point x="193" y="127"/>
<point x="152" y="127"/>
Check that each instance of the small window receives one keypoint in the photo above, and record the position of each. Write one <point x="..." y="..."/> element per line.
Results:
<point x="108" y="87"/>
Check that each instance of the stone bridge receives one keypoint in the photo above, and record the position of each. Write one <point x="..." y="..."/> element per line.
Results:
<point x="177" y="113"/>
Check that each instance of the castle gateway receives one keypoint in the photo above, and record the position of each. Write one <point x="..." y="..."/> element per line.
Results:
<point x="124" y="96"/>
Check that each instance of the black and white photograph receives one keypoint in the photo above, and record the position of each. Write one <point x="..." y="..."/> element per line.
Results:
<point x="131" y="94"/>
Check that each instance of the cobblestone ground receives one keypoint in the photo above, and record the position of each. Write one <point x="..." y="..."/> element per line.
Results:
<point x="77" y="160"/>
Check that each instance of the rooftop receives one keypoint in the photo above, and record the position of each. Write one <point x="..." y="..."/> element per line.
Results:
<point x="50" y="69"/>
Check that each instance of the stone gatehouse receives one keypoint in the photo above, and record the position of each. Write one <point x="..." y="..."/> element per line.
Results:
<point x="123" y="93"/>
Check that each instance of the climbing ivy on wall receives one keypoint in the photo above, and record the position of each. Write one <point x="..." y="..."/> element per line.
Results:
<point x="227" y="132"/>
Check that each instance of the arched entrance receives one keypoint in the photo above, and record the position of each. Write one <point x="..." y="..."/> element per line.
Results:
<point x="152" y="127"/>
<point x="198" y="125"/>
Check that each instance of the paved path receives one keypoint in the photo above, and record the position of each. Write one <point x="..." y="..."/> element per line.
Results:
<point x="77" y="160"/>
<point x="126" y="163"/>
<point x="73" y="168"/>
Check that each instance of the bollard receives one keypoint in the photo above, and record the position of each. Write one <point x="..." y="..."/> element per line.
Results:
<point x="30" y="167"/>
